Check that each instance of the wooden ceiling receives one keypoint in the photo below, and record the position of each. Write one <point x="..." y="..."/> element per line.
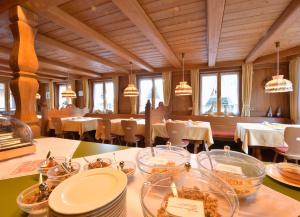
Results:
<point x="90" y="38"/>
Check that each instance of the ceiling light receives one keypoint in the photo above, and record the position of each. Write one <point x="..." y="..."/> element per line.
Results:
<point x="131" y="90"/>
<point x="183" y="89"/>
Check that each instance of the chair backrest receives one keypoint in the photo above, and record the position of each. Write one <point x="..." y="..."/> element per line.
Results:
<point x="129" y="128"/>
<point x="103" y="129"/>
<point x="57" y="124"/>
<point x="175" y="132"/>
<point x="292" y="139"/>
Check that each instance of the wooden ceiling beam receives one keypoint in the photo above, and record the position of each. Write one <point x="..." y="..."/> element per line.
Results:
<point x="285" y="20"/>
<point x="6" y="4"/>
<point x="45" y="64"/>
<point x="133" y="10"/>
<point x="52" y="43"/>
<point x="215" y="12"/>
<point x="67" y="21"/>
<point x="295" y="51"/>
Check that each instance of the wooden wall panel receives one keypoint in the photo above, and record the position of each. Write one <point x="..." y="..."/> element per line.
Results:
<point x="79" y="102"/>
<point x="124" y="102"/>
<point x="261" y="101"/>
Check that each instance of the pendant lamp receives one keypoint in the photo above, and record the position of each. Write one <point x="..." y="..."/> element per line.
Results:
<point x="278" y="84"/>
<point x="69" y="93"/>
<point x="183" y="89"/>
<point x="37" y="96"/>
<point x="131" y="90"/>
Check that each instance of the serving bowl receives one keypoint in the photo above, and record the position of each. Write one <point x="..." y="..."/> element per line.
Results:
<point x="49" y="163"/>
<point x="58" y="173"/>
<point x="26" y="200"/>
<point x="128" y="167"/>
<point x="98" y="163"/>
<point x="242" y="172"/>
<point x="161" y="191"/>
<point x="162" y="159"/>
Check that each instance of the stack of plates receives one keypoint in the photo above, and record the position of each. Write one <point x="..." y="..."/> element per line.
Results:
<point x="97" y="192"/>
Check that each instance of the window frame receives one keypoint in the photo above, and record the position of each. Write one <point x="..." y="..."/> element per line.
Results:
<point x="219" y="88"/>
<point x="152" y="77"/>
<point x="104" y="93"/>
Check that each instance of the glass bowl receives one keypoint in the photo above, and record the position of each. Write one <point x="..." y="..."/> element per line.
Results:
<point x="160" y="191"/>
<point x="51" y="162"/>
<point x="57" y="173"/>
<point x="289" y="171"/>
<point x="98" y="163"/>
<point x="166" y="159"/>
<point x="128" y="167"/>
<point x="242" y="172"/>
<point x="35" y="208"/>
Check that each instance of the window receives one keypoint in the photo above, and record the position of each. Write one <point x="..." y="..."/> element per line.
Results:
<point x="227" y="96"/>
<point x="2" y="97"/>
<point x="151" y="88"/>
<point x="12" y="104"/>
<point x="61" y="100"/>
<point x="103" y="94"/>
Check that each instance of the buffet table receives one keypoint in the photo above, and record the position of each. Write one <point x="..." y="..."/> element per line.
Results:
<point x="268" y="202"/>
<point x="194" y="130"/>
<point x="261" y="134"/>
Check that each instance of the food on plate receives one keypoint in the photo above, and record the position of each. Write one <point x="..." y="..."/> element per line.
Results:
<point x="51" y="162"/>
<point x="99" y="163"/>
<point x="209" y="202"/>
<point x="41" y="194"/>
<point x="290" y="172"/>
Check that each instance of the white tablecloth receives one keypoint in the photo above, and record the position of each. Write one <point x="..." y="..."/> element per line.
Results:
<point x="116" y="127"/>
<point x="16" y="167"/>
<point x="80" y="125"/>
<point x="260" y="134"/>
<point x="196" y="130"/>
<point x="268" y="203"/>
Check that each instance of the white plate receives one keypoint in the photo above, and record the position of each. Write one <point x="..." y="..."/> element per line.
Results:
<point x="87" y="191"/>
<point x="273" y="172"/>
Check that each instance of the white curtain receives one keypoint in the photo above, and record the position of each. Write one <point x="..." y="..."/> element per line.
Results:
<point x="167" y="86"/>
<point x="195" y="77"/>
<point x="52" y="96"/>
<point x="133" y="100"/>
<point x="294" y="76"/>
<point x="86" y="92"/>
<point x="116" y="94"/>
<point x="247" y="76"/>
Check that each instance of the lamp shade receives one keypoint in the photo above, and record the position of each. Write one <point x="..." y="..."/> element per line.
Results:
<point x="37" y="96"/>
<point x="278" y="85"/>
<point x="183" y="89"/>
<point x="131" y="91"/>
<point x="68" y="93"/>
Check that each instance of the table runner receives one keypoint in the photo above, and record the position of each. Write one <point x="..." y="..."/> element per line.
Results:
<point x="26" y="165"/>
<point x="261" y="134"/>
<point x="194" y="130"/>
<point x="268" y="203"/>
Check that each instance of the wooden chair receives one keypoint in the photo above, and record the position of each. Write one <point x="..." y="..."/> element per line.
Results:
<point x="130" y="128"/>
<point x="176" y="134"/>
<point x="103" y="131"/>
<point x="292" y="139"/>
<point x="58" y="126"/>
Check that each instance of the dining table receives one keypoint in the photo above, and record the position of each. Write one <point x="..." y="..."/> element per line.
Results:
<point x="116" y="126"/>
<point x="193" y="130"/>
<point x="273" y="199"/>
<point x="77" y="124"/>
<point x="261" y="134"/>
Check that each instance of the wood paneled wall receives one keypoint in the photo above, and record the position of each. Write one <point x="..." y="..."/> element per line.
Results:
<point x="260" y="100"/>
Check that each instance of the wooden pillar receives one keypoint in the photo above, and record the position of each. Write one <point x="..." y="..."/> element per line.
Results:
<point x="148" y="124"/>
<point x="24" y="64"/>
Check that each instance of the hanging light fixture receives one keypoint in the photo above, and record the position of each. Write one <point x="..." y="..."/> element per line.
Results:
<point x="68" y="93"/>
<point x="278" y="84"/>
<point x="131" y="90"/>
<point x="37" y="96"/>
<point x="183" y="89"/>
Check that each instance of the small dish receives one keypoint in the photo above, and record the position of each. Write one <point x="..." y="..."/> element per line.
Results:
<point x="98" y="163"/>
<point x="57" y="173"/>
<point x="51" y="162"/>
<point x="128" y="167"/>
